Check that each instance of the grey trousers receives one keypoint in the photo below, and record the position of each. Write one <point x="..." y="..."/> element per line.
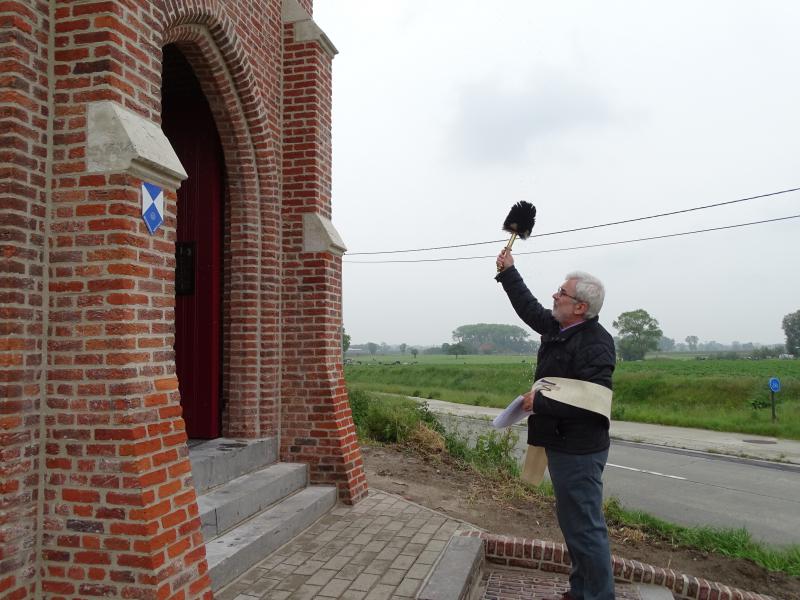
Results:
<point x="578" y="486"/>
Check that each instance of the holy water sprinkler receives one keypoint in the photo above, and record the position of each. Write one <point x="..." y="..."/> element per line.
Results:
<point x="519" y="222"/>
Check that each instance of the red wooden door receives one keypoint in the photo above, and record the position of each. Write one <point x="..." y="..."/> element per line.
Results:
<point x="189" y="125"/>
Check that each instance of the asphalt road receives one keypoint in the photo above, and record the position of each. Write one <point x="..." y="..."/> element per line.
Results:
<point x="693" y="488"/>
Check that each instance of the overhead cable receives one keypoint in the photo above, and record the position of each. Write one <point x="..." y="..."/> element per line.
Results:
<point x="666" y="214"/>
<point x="655" y="237"/>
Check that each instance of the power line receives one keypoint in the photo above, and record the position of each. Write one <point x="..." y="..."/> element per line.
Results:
<point x="666" y="214"/>
<point x="655" y="237"/>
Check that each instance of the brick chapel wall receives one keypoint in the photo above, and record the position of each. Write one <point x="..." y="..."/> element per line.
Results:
<point x="120" y="517"/>
<point x="115" y="511"/>
<point x="221" y="43"/>
<point x="119" y="503"/>
<point x="24" y="146"/>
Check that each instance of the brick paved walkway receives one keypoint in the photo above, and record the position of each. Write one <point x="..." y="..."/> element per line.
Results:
<point x="382" y="548"/>
<point x="385" y="547"/>
<point x="509" y="584"/>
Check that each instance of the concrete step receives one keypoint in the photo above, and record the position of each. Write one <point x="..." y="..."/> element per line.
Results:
<point x="232" y="553"/>
<point x="215" y="462"/>
<point x="457" y="574"/>
<point x="231" y="503"/>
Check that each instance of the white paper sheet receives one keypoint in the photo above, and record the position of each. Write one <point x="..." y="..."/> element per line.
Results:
<point x="513" y="414"/>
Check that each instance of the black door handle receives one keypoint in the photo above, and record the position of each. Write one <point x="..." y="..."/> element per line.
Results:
<point x="184" y="268"/>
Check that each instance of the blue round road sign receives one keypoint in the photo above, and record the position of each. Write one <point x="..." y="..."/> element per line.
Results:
<point x="775" y="384"/>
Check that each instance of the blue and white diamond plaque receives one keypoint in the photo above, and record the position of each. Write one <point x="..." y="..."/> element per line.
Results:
<point x="152" y="206"/>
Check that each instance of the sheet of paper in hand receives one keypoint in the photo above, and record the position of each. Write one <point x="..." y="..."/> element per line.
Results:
<point x="513" y="414"/>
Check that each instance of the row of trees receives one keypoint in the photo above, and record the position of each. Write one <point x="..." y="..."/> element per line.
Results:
<point x="693" y="344"/>
<point x="478" y="338"/>
<point x="639" y="333"/>
<point x="491" y="338"/>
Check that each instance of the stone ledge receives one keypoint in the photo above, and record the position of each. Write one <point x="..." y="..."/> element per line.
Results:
<point x="319" y="235"/>
<point x="121" y="141"/>
<point x="305" y="29"/>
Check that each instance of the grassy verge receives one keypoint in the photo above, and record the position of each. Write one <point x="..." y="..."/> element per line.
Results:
<point x="398" y="420"/>
<point x="728" y="542"/>
<point x="721" y="395"/>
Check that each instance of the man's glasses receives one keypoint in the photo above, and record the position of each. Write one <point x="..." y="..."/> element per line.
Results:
<point x="562" y="292"/>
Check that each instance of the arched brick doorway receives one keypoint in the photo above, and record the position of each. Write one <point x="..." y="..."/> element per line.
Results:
<point x="189" y="125"/>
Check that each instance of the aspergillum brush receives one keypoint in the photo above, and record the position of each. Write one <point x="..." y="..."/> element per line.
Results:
<point x="519" y="223"/>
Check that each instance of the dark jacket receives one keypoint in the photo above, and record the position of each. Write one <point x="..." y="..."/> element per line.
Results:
<point x="584" y="351"/>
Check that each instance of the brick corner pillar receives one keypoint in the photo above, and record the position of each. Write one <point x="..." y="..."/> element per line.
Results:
<point x="120" y="511"/>
<point x="24" y="142"/>
<point x="316" y="422"/>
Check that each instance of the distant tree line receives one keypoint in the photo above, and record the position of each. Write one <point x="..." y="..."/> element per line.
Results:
<point x="492" y="338"/>
<point x="693" y="344"/>
<point x="639" y="333"/>
<point x="477" y="338"/>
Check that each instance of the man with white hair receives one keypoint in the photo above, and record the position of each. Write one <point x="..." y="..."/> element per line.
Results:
<point x="571" y="404"/>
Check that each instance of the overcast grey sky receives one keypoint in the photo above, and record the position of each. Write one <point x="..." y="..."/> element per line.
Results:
<point x="446" y="113"/>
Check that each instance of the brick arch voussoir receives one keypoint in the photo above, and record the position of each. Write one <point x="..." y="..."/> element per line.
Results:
<point x="241" y="156"/>
<point x="205" y="26"/>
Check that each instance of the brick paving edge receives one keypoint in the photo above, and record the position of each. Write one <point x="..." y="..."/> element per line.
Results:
<point x="553" y="557"/>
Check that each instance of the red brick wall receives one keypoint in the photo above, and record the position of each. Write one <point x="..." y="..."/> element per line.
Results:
<point x="120" y="510"/>
<point x="23" y="192"/>
<point x="88" y="294"/>
<point x="317" y="423"/>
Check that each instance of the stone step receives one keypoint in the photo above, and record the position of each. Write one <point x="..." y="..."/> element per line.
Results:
<point x="232" y="553"/>
<point x="215" y="462"/>
<point x="229" y="504"/>
<point x="457" y="574"/>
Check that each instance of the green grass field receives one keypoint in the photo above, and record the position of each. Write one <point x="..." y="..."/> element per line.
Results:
<point x="722" y="395"/>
